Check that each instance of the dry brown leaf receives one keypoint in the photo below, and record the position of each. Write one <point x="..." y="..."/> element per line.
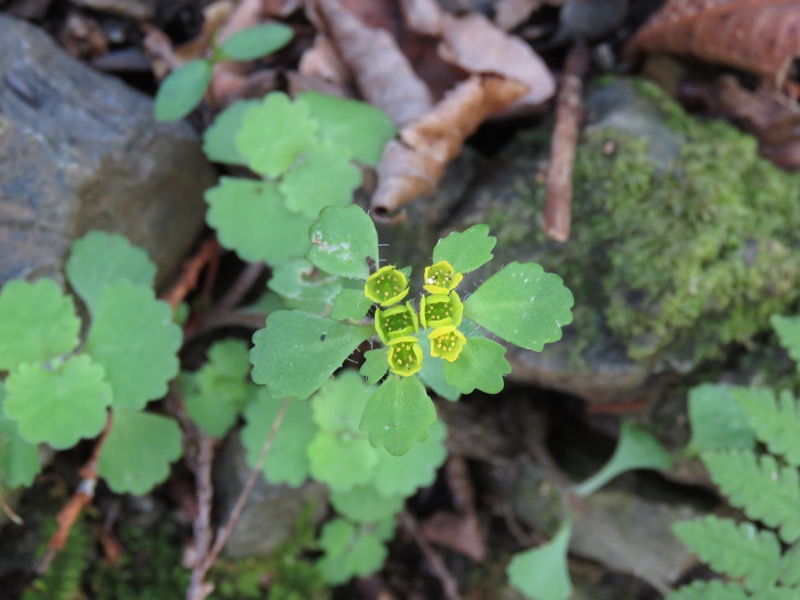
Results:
<point x="476" y="45"/>
<point x="280" y="8"/>
<point x="760" y="36"/>
<point x="423" y="16"/>
<point x="509" y="14"/>
<point x="415" y="166"/>
<point x="322" y="60"/>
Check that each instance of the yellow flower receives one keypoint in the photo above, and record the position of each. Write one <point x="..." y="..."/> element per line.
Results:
<point x="395" y="322"/>
<point x="405" y="356"/>
<point x="447" y="342"/>
<point x="387" y="286"/>
<point x="441" y="278"/>
<point x="439" y="310"/>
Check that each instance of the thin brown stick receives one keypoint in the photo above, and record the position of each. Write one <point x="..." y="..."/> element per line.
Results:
<point x="247" y="278"/>
<point x="205" y="494"/>
<point x="191" y="273"/>
<point x="558" y="202"/>
<point x="446" y="579"/>
<point x="9" y="512"/>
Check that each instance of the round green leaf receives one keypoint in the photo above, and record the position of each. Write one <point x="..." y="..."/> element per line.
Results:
<point x="403" y="475"/>
<point x="350" y="305"/>
<point x="541" y="573"/>
<point x="138" y="451"/>
<point x="340" y="402"/>
<point x="256" y="42"/>
<point x="324" y="177"/>
<point x="99" y="259"/>
<point x="182" y="90"/>
<point x="341" y="460"/>
<point x="219" y="140"/>
<point x="287" y="461"/>
<point x="523" y="305"/>
<point x="37" y="323"/>
<point x="251" y="219"/>
<point x="19" y="459"/>
<point x="361" y="128"/>
<point x="135" y="340"/>
<point x="275" y="133"/>
<point x="296" y="352"/>
<point x="303" y="286"/>
<point x="350" y="551"/>
<point x="398" y="415"/>
<point x="363" y="504"/>
<point x="342" y="241"/>
<point x="58" y="405"/>
<point x="466" y="250"/>
<point x="481" y="365"/>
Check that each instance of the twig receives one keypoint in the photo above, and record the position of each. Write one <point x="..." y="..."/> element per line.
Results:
<point x="241" y="286"/>
<point x="446" y="579"/>
<point x="202" y="521"/>
<point x="558" y="203"/>
<point x="83" y="496"/>
<point x="198" y="589"/>
<point x="9" y="512"/>
<point x="191" y="273"/>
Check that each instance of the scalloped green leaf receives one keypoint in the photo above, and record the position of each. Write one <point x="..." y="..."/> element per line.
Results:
<point x="375" y="366"/>
<point x="717" y="421"/>
<point x="342" y="241"/>
<point x="340" y="402"/>
<point x="363" y="504"/>
<point x="58" y="405"/>
<point x="297" y="352"/>
<point x="37" y="322"/>
<point x="636" y="449"/>
<point x="481" y="365"/>
<point x="303" y="286"/>
<point x="767" y="491"/>
<point x="790" y="566"/>
<point x="398" y="415"/>
<point x="361" y="128"/>
<point x="523" y="305"/>
<point x="138" y="451"/>
<point x="788" y="330"/>
<point x="323" y="177"/>
<point x="350" y="550"/>
<point x="287" y="461"/>
<point x="542" y="573"/>
<point x="403" y="475"/>
<point x="466" y="250"/>
<point x="251" y="219"/>
<point x="736" y="549"/>
<point x="776" y="421"/>
<point x="219" y="140"/>
<point x="275" y="133"/>
<point x="432" y="372"/>
<point x="350" y="305"/>
<point x="182" y="90"/>
<point x="710" y="590"/>
<point x="135" y="340"/>
<point x="99" y="259"/>
<point x="341" y="460"/>
<point x="255" y="42"/>
<point x="19" y="459"/>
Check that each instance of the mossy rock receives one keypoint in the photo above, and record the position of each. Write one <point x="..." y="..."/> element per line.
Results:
<point x="684" y="241"/>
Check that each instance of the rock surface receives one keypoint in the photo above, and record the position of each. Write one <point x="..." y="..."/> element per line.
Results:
<point x="81" y="151"/>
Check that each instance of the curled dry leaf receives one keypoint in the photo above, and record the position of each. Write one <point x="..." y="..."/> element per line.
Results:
<point x="322" y="60"/>
<point x="414" y="166"/>
<point x="760" y="36"/>
<point x="509" y="14"/>
<point x="423" y="16"/>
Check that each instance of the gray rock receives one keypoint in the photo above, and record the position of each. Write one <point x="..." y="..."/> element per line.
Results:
<point x="81" y="151"/>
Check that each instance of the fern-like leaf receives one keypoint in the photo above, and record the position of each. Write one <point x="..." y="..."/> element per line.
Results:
<point x="738" y="550"/>
<point x="766" y="491"/>
<point x="710" y="590"/>
<point x="788" y="330"/>
<point x="790" y="567"/>
<point x="776" y="421"/>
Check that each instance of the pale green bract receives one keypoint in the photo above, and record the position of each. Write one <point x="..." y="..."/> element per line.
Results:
<point x="481" y="365"/>
<point x="466" y="250"/>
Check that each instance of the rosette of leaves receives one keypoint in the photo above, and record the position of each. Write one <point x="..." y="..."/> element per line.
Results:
<point x="306" y="153"/>
<point x="57" y="392"/>
<point x="759" y="557"/>
<point x="297" y="352"/>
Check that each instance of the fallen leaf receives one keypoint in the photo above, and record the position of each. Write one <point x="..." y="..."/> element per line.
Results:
<point x="423" y="16"/>
<point x="509" y="14"/>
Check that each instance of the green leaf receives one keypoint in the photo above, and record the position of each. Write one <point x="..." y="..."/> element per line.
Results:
<point x="340" y="402"/>
<point x="99" y="259"/>
<point x="776" y="421"/>
<point x="138" y="451"/>
<point x="341" y="460"/>
<point x="217" y="393"/>
<point x="466" y="250"/>
<point x="398" y="415"/>
<point x="251" y="219"/>
<point x="710" y="590"/>
<point x="255" y="42"/>
<point x="342" y="240"/>
<point x="481" y="365"/>
<point x="58" y="405"/>
<point x="19" y="459"/>
<point x="541" y="573"/>
<point x="361" y="128"/>
<point x="767" y="491"/>
<point x="788" y="330"/>
<point x="135" y="340"/>
<point x="636" y="449"/>
<point x="403" y="475"/>
<point x="350" y="305"/>
<point x="375" y="365"/>
<point x="324" y="177"/>
<point x="432" y="372"/>
<point x="350" y="551"/>
<point x="296" y="352"/>
<point x="363" y="504"/>
<point x="303" y="286"/>
<point x="717" y="420"/>
<point x="737" y="550"/>
<point x="182" y="90"/>
<point x="219" y="140"/>
<point x="37" y="323"/>
<point x="523" y="305"/>
<point x="287" y="461"/>
<point x="275" y="133"/>
<point x="790" y="566"/>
